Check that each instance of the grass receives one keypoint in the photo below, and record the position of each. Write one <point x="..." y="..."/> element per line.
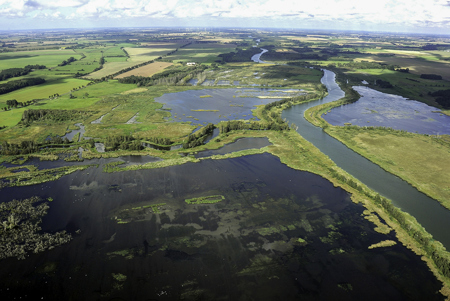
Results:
<point x="60" y="86"/>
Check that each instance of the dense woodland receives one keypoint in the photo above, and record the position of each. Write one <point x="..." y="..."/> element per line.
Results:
<point x="30" y="116"/>
<point x="442" y="98"/>
<point x="16" y="72"/>
<point x="240" y="55"/>
<point x="167" y="77"/>
<point x="19" y="84"/>
<point x="431" y="76"/>
<point x="123" y="142"/>
<point x="199" y="137"/>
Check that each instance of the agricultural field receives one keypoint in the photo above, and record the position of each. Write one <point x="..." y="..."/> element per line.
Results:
<point x="201" y="52"/>
<point x="147" y="70"/>
<point x="48" y="58"/>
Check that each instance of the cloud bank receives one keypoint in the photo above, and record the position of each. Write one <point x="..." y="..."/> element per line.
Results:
<point x="340" y="14"/>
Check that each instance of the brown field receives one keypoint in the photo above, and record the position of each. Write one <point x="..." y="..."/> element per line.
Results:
<point x="147" y="70"/>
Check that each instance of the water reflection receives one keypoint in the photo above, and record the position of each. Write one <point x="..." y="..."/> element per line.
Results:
<point x="376" y="108"/>
<point x="277" y="233"/>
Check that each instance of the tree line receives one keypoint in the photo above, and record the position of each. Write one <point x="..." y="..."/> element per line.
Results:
<point x="16" y="72"/>
<point x="29" y="116"/>
<point x="431" y="76"/>
<point x="442" y="97"/>
<point x="168" y="77"/>
<point x="199" y="137"/>
<point x="19" y="84"/>
<point x="68" y="61"/>
<point x="29" y="147"/>
<point x="240" y="55"/>
<point x="123" y="142"/>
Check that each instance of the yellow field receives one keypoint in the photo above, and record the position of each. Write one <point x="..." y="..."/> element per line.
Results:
<point x="147" y="70"/>
<point x="110" y="68"/>
<point x="139" y="55"/>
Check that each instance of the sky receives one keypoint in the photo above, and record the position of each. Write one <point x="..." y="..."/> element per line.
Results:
<point x="421" y="16"/>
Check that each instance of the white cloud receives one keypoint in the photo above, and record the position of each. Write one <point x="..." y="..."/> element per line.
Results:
<point x="379" y="12"/>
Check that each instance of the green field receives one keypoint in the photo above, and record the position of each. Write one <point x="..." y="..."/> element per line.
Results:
<point x="201" y="53"/>
<point x="48" y="58"/>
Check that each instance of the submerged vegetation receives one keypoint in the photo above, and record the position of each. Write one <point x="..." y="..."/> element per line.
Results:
<point x="21" y="234"/>
<point x="212" y="199"/>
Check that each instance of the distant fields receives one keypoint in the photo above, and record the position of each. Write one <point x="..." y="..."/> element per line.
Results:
<point x="201" y="53"/>
<point x="137" y="55"/>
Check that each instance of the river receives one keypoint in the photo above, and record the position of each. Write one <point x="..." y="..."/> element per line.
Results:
<point x="428" y="212"/>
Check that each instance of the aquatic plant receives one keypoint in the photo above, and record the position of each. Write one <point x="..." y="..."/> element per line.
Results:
<point x="212" y="199"/>
<point x="20" y="232"/>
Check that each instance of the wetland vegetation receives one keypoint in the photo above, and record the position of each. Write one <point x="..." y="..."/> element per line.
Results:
<point x="149" y="216"/>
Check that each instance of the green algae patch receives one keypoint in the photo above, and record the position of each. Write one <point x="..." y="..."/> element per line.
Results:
<point x="385" y="243"/>
<point x="212" y="199"/>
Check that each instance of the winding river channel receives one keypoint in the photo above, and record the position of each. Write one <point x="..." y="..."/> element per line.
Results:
<point x="428" y="212"/>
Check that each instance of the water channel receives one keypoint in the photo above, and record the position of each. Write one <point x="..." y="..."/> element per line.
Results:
<point x="428" y="212"/>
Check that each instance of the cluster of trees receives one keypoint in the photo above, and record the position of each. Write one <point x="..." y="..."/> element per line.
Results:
<point x="160" y="141"/>
<point x="29" y="147"/>
<point x="19" y="84"/>
<point x="199" y="137"/>
<point x="16" y="72"/>
<point x="383" y="83"/>
<point x="168" y="77"/>
<point x="403" y="70"/>
<point x="290" y="56"/>
<point x="240" y="55"/>
<point x="233" y="125"/>
<point x="12" y="103"/>
<point x="431" y="76"/>
<point x="68" y="61"/>
<point x="25" y="147"/>
<point x="29" y="116"/>
<point x="442" y="97"/>
<point x="123" y="142"/>
<point x="368" y="65"/>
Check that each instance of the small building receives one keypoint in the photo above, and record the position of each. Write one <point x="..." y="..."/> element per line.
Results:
<point x="191" y="64"/>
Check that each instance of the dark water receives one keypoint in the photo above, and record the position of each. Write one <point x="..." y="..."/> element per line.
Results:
<point x="375" y="108"/>
<point x="238" y="145"/>
<point x="279" y="234"/>
<point x="428" y="212"/>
